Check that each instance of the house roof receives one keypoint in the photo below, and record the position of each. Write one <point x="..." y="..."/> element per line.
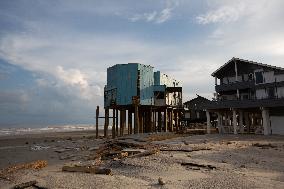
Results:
<point x="219" y="70"/>
<point x="198" y="97"/>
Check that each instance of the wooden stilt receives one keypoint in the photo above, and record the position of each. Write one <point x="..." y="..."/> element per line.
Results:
<point x="113" y="123"/>
<point x="97" y="121"/>
<point x="129" y="122"/>
<point x="150" y="119"/>
<point x="159" y="121"/>
<point x="140" y="121"/>
<point x="116" y="123"/>
<point x="136" y="119"/>
<point x="166" y="120"/>
<point x="106" y="122"/>
<point x="176" y="121"/>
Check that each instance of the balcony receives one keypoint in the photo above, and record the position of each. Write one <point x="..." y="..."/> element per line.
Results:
<point x="248" y="103"/>
<point x="235" y="86"/>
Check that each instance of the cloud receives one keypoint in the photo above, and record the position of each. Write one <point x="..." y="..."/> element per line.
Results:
<point x="224" y="14"/>
<point x="155" y="16"/>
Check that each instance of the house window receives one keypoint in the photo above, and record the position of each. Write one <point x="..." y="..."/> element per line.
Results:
<point x="258" y="77"/>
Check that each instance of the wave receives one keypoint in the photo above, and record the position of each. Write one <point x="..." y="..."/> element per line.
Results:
<point x="48" y="129"/>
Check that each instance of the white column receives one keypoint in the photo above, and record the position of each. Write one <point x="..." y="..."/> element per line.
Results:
<point x="208" y="121"/>
<point x="235" y="121"/>
<point x="265" y="121"/>
<point x="216" y="81"/>
<point x="241" y="122"/>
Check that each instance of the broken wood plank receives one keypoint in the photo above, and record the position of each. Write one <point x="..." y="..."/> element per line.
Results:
<point x="25" y="184"/>
<point x="146" y="153"/>
<point x="198" y="165"/>
<point x="86" y="169"/>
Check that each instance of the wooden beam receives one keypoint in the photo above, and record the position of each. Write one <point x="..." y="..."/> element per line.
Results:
<point x="97" y="121"/>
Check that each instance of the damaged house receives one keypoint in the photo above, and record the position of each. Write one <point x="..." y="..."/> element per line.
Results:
<point x="249" y="98"/>
<point x="151" y="100"/>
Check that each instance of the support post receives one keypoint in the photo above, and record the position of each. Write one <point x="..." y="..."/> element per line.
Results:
<point x="265" y="121"/>
<point x="136" y="119"/>
<point x="220" y="122"/>
<point x="116" y="123"/>
<point x="122" y="121"/>
<point x="166" y="120"/>
<point x="129" y="122"/>
<point x="113" y="123"/>
<point x="241" y="121"/>
<point x="159" y="121"/>
<point x="235" y="121"/>
<point x="247" y="122"/>
<point x="106" y="122"/>
<point x="97" y="121"/>
<point x="208" y="122"/>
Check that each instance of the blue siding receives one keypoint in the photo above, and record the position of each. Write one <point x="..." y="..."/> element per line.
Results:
<point x="122" y="84"/>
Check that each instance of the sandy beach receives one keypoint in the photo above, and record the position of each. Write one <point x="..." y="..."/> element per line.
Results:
<point x="177" y="161"/>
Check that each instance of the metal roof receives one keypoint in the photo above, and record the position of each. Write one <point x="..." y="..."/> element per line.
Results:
<point x="246" y="61"/>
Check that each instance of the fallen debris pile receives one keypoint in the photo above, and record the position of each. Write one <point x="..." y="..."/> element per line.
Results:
<point x="6" y="173"/>
<point x="118" y="149"/>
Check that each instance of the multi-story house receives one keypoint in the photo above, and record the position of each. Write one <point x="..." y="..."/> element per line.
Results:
<point x="249" y="98"/>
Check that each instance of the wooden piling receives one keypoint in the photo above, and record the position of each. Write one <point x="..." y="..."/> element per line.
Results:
<point x="113" y="123"/>
<point x="136" y="119"/>
<point x="129" y="122"/>
<point x="159" y="121"/>
<point x="97" y="121"/>
<point x="116" y="123"/>
<point x="106" y="122"/>
<point x="166" y="120"/>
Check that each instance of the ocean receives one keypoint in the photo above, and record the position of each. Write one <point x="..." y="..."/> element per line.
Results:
<point x="47" y="129"/>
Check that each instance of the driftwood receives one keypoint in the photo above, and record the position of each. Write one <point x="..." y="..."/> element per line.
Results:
<point x="198" y="165"/>
<point x="264" y="146"/>
<point x="25" y="184"/>
<point x="183" y="149"/>
<point x="146" y="153"/>
<point x="87" y="169"/>
<point x="32" y="183"/>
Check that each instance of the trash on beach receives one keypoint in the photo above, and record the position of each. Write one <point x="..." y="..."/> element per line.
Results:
<point x="37" y="147"/>
<point x="86" y="169"/>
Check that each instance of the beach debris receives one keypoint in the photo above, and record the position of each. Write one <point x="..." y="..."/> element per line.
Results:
<point x="32" y="183"/>
<point x="86" y="169"/>
<point x="264" y="146"/>
<point x="183" y="148"/>
<point x="146" y="153"/>
<point x="6" y="173"/>
<point x="133" y="151"/>
<point x="38" y="147"/>
<point x="196" y="166"/>
<point x="160" y="181"/>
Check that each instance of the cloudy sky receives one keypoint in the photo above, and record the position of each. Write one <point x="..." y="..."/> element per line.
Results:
<point x="54" y="54"/>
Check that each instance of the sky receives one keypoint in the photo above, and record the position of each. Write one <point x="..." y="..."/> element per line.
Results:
<point x="54" y="54"/>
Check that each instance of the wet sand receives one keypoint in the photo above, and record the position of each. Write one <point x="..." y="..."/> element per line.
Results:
<point x="220" y="161"/>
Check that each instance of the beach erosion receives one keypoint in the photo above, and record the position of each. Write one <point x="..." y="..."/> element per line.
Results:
<point x="150" y="160"/>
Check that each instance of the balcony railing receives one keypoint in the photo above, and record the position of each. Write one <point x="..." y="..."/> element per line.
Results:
<point x="234" y="86"/>
<point x="247" y="103"/>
